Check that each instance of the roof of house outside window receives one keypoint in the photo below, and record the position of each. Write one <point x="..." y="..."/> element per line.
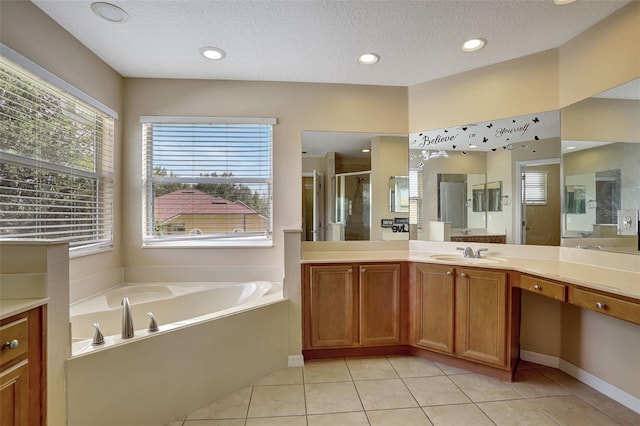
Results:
<point x="193" y="201"/>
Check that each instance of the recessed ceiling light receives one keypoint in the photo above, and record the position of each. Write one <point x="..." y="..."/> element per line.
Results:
<point x="366" y="150"/>
<point x="109" y="12"/>
<point x="473" y="44"/>
<point x="570" y="148"/>
<point x="369" y="58"/>
<point x="473" y="146"/>
<point x="214" y="53"/>
<point x="562" y="2"/>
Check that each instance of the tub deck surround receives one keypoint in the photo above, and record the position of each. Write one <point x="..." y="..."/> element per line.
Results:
<point x="174" y="305"/>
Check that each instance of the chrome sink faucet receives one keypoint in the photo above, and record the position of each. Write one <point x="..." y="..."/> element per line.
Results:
<point x="468" y="252"/>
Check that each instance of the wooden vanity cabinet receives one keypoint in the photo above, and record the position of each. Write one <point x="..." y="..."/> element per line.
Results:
<point x="468" y="313"/>
<point x="481" y="316"/>
<point x="352" y="305"/>
<point x="22" y="369"/>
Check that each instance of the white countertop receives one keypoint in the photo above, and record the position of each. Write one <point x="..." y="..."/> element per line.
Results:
<point x="612" y="280"/>
<point x="11" y="307"/>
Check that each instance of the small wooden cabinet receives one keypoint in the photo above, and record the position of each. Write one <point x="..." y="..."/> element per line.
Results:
<point x="465" y="312"/>
<point x="22" y="369"/>
<point x="351" y="305"/>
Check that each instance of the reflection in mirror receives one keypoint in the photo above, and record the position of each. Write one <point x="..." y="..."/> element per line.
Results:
<point x="399" y="194"/>
<point x="350" y="199"/>
<point x="457" y="162"/>
<point x="601" y="177"/>
<point x="494" y="196"/>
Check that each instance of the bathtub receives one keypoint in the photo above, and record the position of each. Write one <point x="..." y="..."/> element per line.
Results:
<point x="172" y="304"/>
<point x="213" y="339"/>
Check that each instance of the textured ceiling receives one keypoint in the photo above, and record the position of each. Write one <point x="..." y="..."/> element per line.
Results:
<point x="319" y="41"/>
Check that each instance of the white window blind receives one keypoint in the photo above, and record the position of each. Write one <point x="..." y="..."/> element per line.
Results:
<point x="415" y="198"/>
<point x="56" y="163"/>
<point x="208" y="180"/>
<point x="534" y="188"/>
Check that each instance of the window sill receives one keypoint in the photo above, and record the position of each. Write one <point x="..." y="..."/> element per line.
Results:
<point x="240" y="243"/>
<point x="77" y="252"/>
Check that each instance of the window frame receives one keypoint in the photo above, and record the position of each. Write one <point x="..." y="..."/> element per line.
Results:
<point x="103" y="160"/>
<point x="207" y="240"/>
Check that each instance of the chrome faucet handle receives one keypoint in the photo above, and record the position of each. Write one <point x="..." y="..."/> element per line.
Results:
<point x="153" y="325"/>
<point x="480" y="250"/>
<point x="98" y="337"/>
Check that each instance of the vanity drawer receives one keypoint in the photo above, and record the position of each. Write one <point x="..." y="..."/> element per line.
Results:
<point x="543" y="287"/>
<point x="13" y="338"/>
<point x="618" y="308"/>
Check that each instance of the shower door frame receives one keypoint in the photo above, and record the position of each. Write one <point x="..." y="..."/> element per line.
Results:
<point x="338" y="199"/>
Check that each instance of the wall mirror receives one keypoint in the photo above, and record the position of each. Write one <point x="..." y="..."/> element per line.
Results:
<point x="468" y="178"/>
<point x="601" y="169"/>
<point x="355" y="186"/>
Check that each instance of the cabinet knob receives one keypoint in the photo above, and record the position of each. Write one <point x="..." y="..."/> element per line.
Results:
<point x="12" y="344"/>
<point x="463" y="275"/>
<point x="349" y="271"/>
<point x="600" y="305"/>
<point x="362" y="270"/>
<point x="449" y="273"/>
<point x="537" y="287"/>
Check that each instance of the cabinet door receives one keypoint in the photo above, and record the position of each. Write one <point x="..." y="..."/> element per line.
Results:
<point x="434" y="307"/>
<point x="331" y="302"/>
<point x="481" y="316"/>
<point x="379" y="304"/>
<point x="14" y="395"/>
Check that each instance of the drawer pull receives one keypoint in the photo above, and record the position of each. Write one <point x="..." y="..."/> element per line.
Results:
<point x="600" y="305"/>
<point x="12" y="344"/>
<point x="449" y="273"/>
<point x="463" y="275"/>
<point x="537" y="287"/>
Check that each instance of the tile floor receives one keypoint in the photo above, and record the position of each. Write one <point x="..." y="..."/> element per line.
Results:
<point x="405" y="391"/>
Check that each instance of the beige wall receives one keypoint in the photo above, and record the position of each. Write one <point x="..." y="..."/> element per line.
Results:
<point x="297" y="106"/>
<point x="597" y="119"/>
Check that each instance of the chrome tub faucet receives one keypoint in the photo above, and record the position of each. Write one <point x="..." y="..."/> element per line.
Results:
<point x="127" y="320"/>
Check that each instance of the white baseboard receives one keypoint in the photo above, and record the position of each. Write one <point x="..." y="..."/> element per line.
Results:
<point x="296" y="361"/>
<point x="585" y="377"/>
<point x="542" y="359"/>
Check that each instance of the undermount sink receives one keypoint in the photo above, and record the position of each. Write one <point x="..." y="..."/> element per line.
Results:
<point x="467" y="260"/>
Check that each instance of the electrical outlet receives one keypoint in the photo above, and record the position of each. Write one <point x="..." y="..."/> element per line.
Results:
<point x="627" y="222"/>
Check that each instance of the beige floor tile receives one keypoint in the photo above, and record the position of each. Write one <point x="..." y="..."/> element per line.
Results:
<point x="384" y="394"/>
<point x="566" y="381"/>
<point x="618" y="412"/>
<point x="278" y="421"/>
<point x="371" y="368"/>
<point x="533" y="384"/>
<point x="338" y="419"/>
<point x="571" y="411"/>
<point x="334" y="397"/>
<point x="437" y="390"/>
<point x="228" y="422"/>
<point x="457" y="415"/>
<point x="280" y="400"/>
<point x="449" y="369"/>
<point x="286" y="376"/>
<point x="410" y="366"/>
<point x="481" y="388"/>
<point x="233" y="406"/>
<point x="330" y="370"/>
<point x="517" y="412"/>
<point x="400" y="416"/>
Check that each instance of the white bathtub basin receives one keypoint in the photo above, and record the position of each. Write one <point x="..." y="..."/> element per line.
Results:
<point x="467" y="260"/>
